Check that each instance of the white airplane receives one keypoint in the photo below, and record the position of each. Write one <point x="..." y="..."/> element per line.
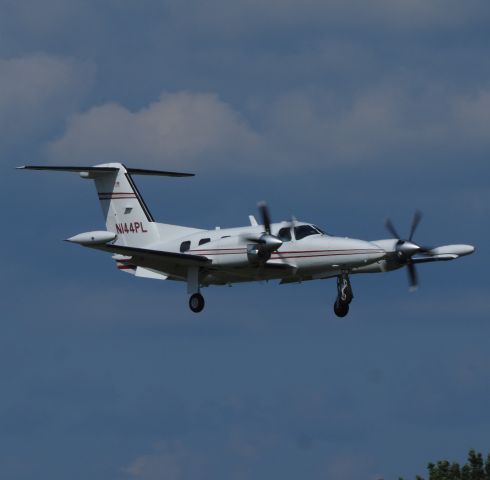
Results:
<point x="290" y="251"/>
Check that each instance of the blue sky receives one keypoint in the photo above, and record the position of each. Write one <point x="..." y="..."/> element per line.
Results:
<point x="341" y="113"/>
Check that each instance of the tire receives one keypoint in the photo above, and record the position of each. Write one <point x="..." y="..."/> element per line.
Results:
<point x="196" y="302"/>
<point x="341" y="309"/>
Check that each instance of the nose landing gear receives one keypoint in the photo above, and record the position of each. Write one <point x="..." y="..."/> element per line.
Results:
<point x="344" y="295"/>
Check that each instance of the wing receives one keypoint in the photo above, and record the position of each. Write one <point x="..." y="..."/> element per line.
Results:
<point x="171" y="263"/>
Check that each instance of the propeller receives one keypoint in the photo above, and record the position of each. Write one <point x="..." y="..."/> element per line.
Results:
<point x="267" y="242"/>
<point x="405" y="249"/>
<point x="266" y="218"/>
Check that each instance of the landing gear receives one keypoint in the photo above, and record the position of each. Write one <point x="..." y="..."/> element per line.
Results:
<point x="341" y="309"/>
<point x="196" y="302"/>
<point x="344" y="295"/>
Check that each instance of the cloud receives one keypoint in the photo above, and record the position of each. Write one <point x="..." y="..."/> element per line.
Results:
<point x="37" y="91"/>
<point x="180" y="128"/>
<point x="380" y="125"/>
<point x="168" y="460"/>
<point x="385" y="124"/>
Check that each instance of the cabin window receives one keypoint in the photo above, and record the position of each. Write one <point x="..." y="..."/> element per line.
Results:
<point x="284" y="234"/>
<point x="184" y="246"/>
<point x="204" y="240"/>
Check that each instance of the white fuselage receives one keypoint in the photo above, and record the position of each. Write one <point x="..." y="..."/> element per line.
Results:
<point x="316" y="255"/>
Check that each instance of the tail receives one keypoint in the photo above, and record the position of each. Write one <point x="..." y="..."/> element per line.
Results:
<point x="125" y="212"/>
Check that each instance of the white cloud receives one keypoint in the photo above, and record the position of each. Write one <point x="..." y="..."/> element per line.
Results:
<point x="38" y="90"/>
<point x="379" y="125"/>
<point x="181" y="129"/>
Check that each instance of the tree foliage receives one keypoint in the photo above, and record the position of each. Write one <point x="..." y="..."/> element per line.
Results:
<point x="474" y="469"/>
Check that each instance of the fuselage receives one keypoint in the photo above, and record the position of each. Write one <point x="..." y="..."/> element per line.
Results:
<point x="306" y="252"/>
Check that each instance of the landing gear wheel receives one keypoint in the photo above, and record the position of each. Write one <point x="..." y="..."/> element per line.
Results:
<point x="341" y="309"/>
<point x="196" y="302"/>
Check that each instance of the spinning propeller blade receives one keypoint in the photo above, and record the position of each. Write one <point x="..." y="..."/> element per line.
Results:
<point x="417" y="216"/>
<point x="390" y="227"/>
<point x="405" y="249"/>
<point x="412" y="276"/>
<point x="266" y="218"/>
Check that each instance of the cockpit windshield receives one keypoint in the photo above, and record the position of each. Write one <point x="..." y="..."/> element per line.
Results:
<point x="323" y="232"/>
<point x="303" y="231"/>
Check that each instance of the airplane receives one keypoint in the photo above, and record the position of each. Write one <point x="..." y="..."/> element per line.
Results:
<point x="289" y="251"/>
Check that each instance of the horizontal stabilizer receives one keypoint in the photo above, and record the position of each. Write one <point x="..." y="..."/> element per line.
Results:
<point x="132" y="171"/>
<point x="158" y="173"/>
<point x="69" y="169"/>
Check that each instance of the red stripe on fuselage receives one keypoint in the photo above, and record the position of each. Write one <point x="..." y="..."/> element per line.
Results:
<point x="292" y="253"/>
<point x="289" y="251"/>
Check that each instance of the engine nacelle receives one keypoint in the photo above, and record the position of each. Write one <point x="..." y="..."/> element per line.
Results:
<point x="232" y="254"/>
<point x="257" y="254"/>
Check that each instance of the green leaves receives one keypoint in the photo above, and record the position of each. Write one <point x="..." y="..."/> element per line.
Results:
<point x="473" y="469"/>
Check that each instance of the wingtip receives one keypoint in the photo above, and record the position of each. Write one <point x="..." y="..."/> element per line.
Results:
<point x="22" y="167"/>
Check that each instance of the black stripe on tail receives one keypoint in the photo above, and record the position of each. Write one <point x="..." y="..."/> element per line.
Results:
<point x="142" y="203"/>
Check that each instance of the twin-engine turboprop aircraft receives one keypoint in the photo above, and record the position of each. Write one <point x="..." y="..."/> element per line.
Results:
<point x="291" y="251"/>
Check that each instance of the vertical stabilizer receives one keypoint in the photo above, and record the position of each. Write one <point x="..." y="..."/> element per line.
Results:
<point x="125" y="211"/>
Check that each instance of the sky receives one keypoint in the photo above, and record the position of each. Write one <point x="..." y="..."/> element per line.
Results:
<point x="342" y="113"/>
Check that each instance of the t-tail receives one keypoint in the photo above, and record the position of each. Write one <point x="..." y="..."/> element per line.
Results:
<point x="126" y="213"/>
<point x="124" y="210"/>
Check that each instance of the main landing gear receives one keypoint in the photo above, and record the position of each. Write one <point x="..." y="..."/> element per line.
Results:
<point x="196" y="302"/>
<point x="344" y="295"/>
